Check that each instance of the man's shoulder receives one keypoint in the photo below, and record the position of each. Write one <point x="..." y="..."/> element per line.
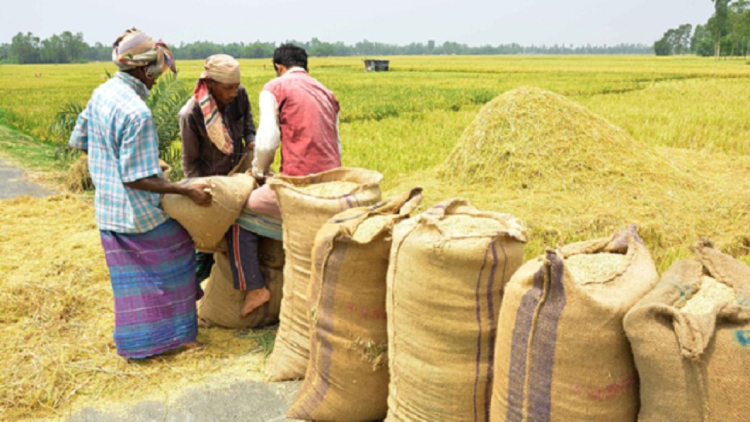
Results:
<point x="188" y="110"/>
<point x="121" y="100"/>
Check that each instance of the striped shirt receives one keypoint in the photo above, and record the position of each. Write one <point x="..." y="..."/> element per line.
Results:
<point x="118" y="132"/>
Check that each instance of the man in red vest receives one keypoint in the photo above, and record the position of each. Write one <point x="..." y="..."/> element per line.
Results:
<point x="302" y="115"/>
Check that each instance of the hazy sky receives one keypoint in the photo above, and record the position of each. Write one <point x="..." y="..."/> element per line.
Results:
<point x="472" y="22"/>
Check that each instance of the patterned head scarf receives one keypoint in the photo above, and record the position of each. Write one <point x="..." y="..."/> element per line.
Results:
<point x="136" y="48"/>
<point x="224" y="69"/>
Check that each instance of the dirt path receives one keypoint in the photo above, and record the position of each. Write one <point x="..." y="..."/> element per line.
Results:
<point x="242" y="401"/>
<point x="13" y="184"/>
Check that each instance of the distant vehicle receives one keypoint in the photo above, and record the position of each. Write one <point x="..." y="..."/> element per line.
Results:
<point x="373" y="65"/>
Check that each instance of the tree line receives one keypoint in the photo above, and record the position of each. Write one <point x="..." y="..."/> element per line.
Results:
<point x="71" y="48"/>
<point x="726" y="33"/>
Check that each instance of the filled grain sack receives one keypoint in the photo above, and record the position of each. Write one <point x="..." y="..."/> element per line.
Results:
<point x="448" y="269"/>
<point x="208" y="225"/>
<point x="347" y="375"/>
<point x="306" y="204"/>
<point x="561" y="352"/>
<point x="691" y="341"/>
<point x="221" y="303"/>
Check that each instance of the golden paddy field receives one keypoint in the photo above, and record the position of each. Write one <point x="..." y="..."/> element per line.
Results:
<point x="659" y="142"/>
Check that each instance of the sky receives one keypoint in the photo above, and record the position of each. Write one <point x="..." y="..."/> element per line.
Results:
<point x="472" y="22"/>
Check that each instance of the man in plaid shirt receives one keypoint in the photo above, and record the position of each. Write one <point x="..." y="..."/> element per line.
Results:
<point x="149" y="255"/>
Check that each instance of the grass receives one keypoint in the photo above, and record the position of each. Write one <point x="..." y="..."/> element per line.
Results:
<point x="46" y="164"/>
<point x="677" y="168"/>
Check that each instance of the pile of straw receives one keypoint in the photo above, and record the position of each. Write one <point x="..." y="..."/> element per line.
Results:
<point x="57" y="321"/>
<point x="571" y="175"/>
<point x="78" y="178"/>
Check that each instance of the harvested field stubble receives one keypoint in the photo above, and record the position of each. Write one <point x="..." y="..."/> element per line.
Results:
<point x="57" y="321"/>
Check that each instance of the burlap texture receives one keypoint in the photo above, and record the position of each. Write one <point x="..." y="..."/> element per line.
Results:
<point x="347" y="377"/>
<point x="693" y="367"/>
<point x="562" y="354"/>
<point x="442" y="303"/>
<point x="303" y="215"/>
<point x="208" y="225"/>
<point x="221" y="303"/>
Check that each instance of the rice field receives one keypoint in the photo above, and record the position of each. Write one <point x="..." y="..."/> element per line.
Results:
<point x="683" y="120"/>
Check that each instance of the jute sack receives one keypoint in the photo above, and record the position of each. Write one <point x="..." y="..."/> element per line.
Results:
<point x="221" y="303"/>
<point x="303" y="214"/>
<point x="347" y="375"/>
<point x="208" y="225"/>
<point x="561" y="351"/>
<point x="448" y="268"/>
<point x="694" y="367"/>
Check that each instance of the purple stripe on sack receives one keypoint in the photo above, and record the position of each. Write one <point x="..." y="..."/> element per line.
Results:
<point x="478" y="307"/>
<point x="493" y="329"/>
<point x="321" y="375"/>
<point x="348" y="201"/>
<point x="519" y="347"/>
<point x="544" y="342"/>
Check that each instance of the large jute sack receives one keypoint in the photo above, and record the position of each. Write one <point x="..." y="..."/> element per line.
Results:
<point x="694" y="367"/>
<point x="221" y="303"/>
<point x="561" y="352"/>
<point x="448" y="268"/>
<point x="305" y="207"/>
<point x="208" y="225"/>
<point x="347" y="375"/>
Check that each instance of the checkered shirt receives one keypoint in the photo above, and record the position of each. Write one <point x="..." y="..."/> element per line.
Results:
<point x="118" y="131"/>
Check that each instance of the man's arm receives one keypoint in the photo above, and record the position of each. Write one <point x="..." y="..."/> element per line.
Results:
<point x="269" y="135"/>
<point x="248" y="131"/>
<point x="190" y="142"/>
<point x="196" y="191"/>
<point x="139" y="162"/>
<point x="79" y="138"/>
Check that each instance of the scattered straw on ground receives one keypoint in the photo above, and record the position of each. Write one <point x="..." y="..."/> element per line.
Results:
<point x="330" y="189"/>
<point x="571" y="175"/>
<point x="710" y="294"/>
<point x="586" y="268"/>
<point x="56" y="322"/>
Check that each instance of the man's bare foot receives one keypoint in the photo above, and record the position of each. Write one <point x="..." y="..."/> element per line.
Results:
<point x="255" y="299"/>
<point x="193" y="346"/>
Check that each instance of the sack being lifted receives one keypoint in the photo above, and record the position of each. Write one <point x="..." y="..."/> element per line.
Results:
<point x="347" y="377"/>
<point x="691" y="341"/>
<point x="221" y="302"/>
<point x="561" y="352"/>
<point x="208" y="225"/>
<point x="306" y="204"/>
<point x="448" y="268"/>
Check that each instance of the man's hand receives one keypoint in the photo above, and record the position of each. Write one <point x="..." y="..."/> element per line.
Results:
<point x="200" y="193"/>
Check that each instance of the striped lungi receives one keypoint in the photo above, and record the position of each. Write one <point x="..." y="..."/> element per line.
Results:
<point x="155" y="289"/>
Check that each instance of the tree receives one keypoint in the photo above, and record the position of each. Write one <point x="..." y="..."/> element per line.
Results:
<point x="702" y="41"/>
<point x="718" y="25"/>
<point x="25" y="48"/>
<point x="662" y="48"/>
